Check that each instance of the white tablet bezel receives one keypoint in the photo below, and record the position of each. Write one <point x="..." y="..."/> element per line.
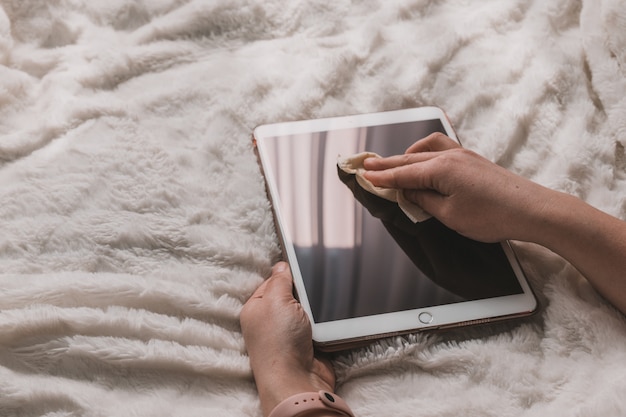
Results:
<point x="341" y="333"/>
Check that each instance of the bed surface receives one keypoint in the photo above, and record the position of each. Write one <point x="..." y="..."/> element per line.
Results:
<point x="134" y="222"/>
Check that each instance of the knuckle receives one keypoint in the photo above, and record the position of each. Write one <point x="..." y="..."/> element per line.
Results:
<point x="456" y="156"/>
<point x="406" y="159"/>
<point x="431" y="140"/>
<point x="448" y="159"/>
<point x="435" y="139"/>
<point x="437" y="136"/>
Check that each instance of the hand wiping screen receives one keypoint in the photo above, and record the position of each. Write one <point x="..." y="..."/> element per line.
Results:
<point x="354" y="165"/>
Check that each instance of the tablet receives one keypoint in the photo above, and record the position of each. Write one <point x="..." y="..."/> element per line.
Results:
<point x="362" y="270"/>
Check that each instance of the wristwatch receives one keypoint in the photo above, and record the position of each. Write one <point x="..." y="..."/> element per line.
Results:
<point x="308" y="401"/>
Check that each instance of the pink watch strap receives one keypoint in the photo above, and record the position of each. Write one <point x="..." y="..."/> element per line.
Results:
<point x="309" y="401"/>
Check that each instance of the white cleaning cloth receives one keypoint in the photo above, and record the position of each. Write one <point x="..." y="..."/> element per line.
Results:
<point x="354" y="165"/>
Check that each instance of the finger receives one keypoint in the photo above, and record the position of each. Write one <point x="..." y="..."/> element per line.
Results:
<point x="279" y="270"/>
<point x="280" y="283"/>
<point x="417" y="175"/>
<point x="378" y="164"/>
<point x="422" y="150"/>
<point x="434" y="142"/>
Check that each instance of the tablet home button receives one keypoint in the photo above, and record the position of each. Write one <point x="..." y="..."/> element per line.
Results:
<point x="425" y="317"/>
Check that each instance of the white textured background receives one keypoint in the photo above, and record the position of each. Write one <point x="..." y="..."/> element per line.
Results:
<point x="134" y="223"/>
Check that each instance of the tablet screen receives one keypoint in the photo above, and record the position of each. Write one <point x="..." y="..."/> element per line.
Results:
<point x="357" y="254"/>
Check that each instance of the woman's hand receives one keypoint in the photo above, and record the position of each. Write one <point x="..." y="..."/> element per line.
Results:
<point x="465" y="191"/>
<point x="485" y="202"/>
<point x="278" y="338"/>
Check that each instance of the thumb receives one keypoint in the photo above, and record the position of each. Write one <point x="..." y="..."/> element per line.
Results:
<point x="280" y="283"/>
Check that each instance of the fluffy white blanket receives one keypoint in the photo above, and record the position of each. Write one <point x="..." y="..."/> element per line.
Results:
<point x="134" y="222"/>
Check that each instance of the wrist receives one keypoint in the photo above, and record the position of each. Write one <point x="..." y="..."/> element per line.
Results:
<point x="555" y="224"/>
<point x="276" y="386"/>
<point x="539" y="220"/>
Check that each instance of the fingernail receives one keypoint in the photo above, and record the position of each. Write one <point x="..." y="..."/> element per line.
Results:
<point x="280" y="267"/>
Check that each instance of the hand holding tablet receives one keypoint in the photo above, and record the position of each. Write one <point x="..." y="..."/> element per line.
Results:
<point x="361" y="268"/>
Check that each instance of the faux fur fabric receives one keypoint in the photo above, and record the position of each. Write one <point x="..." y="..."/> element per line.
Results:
<point x="134" y="222"/>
